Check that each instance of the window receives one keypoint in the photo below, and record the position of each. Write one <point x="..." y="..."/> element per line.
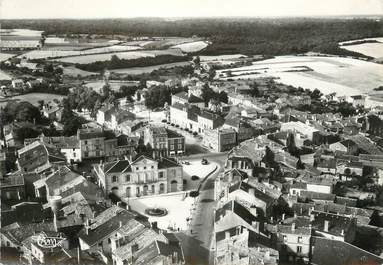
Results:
<point x="127" y="178"/>
<point x="179" y="146"/>
<point x="86" y="154"/>
<point x="299" y="249"/>
<point x="144" y="168"/>
<point x="171" y="147"/>
<point x="161" y="175"/>
<point x="136" y="168"/>
<point x="152" y="167"/>
<point x="85" y="142"/>
<point x="114" y="178"/>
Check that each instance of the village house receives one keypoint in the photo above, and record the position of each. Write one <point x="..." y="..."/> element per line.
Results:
<point x="96" y="143"/>
<point x="39" y="157"/>
<point x="57" y="183"/>
<point x="186" y="98"/>
<point x="220" y="140"/>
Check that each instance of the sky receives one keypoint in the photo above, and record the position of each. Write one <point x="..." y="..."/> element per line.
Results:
<point x="185" y="8"/>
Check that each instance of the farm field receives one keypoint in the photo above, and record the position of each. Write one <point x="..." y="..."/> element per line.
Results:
<point x="223" y="57"/>
<point x="73" y="71"/>
<point x="5" y="76"/>
<point x="374" y="50"/>
<point x="5" y="56"/>
<point x="345" y="76"/>
<point x="53" y="53"/>
<point x="85" y="59"/>
<point x="33" y="98"/>
<point x="147" y="69"/>
<point x="192" y="46"/>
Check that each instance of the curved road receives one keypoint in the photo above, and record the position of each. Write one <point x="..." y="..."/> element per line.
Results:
<point x="196" y="245"/>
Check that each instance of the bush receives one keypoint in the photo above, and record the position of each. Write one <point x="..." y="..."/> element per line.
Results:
<point x="194" y="177"/>
<point x="177" y="126"/>
<point x="172" y="124"/>
<point x="194" y="193"/>
<point x="195" y="133"/>
<point x="164" y="121"/>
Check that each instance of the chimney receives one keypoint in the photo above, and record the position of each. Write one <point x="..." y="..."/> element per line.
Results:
<point x="293" y="227"/>
<point x="55" y="222"/>
<point x="342" y="232"/>
<point x="227" y="235"/>
<point x="78" y="256"/>
<point x="252" y="191"/>
<point x="283" y="216"/>
<point x="120" y="224"/>
<point x="326" y="224"/>
<point x="253" y="211"/>
<point x="134" y="248"/>
<point x="312" y="217"/>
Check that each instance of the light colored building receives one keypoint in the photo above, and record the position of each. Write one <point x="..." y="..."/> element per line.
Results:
<point x="220" y="140"/>
<point x="141" y="177"/>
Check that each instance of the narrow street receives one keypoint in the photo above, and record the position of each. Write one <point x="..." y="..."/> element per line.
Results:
<point x="196" y="242"/>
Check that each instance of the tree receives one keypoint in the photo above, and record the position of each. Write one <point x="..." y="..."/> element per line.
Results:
<point x="269" y="158"/>
<point x="290" y="144"/>
<point x="254" y="92"/>
<point x="300" y="164"/>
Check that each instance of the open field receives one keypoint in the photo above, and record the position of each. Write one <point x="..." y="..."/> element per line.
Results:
<point x="147" y="69"/>
<point x="5" y="76"/>
<point x="73" y="71"/>
<point x="32" y="98"/>
<point x="345" y="76"/>
<point x="374" y="50"/>
<point x="192" y="46"/>
<point x="223" y="57"/>
<point x="85" y="59"/>
<point x="54" y="53"/>
<point x="5" y="56"/>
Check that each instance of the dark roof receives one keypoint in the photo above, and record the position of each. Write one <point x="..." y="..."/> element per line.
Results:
<point x="90" y="133"/>
<point x="105" y="229"/>
<point x="116" y="166"/>
<point x="17" y="235"/>
<point x="345" y="253"/>
<point x="124" y="140"/>
<point x="311" y="195"/>
<point x="61" y="177"/>
<point x="338" y="224"/>
<point x="174" y="134"/>
<point x="167" y="163"/>
<point x="239" y="210"/>
<point x="195" y="99"/>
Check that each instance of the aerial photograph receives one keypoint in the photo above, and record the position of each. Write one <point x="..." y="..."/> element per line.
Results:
<point x="191" y="132"/>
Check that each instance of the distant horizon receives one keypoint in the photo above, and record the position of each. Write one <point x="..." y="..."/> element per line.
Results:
<point x="371" y="16"/>
<point x="178" y="9"/>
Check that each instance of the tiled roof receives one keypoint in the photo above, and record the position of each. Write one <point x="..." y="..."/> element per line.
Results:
<point x="345" y="253"/>
<point x="106" y="228"/>
<point x="117" y="166"/>
<point x="338" y="224"/>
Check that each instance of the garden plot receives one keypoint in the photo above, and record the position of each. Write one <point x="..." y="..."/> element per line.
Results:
<point x="178" y="209"/>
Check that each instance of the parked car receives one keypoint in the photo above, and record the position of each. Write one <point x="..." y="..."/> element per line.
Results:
<point x="204" y="161"/>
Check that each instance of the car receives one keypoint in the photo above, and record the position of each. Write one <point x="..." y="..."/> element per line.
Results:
<point x="204" y="161"/>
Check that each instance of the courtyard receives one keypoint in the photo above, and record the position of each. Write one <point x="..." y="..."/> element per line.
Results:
<point x="178" y="207"/>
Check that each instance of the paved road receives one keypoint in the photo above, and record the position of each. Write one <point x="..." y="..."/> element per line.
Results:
<point x="196" y="245"/>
